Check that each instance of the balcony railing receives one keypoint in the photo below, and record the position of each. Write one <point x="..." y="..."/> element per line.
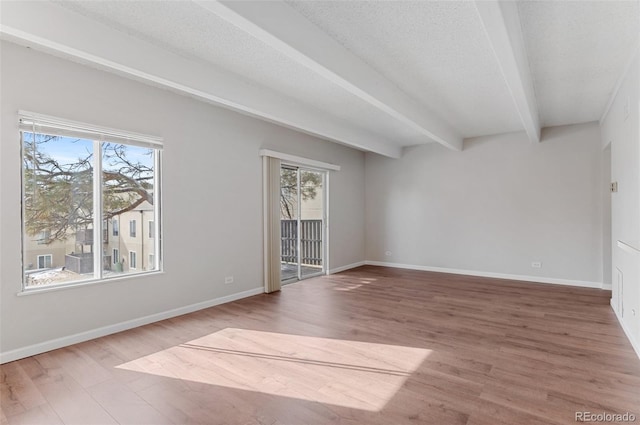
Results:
<point x="310" y="242"/>
<point x="82" y="263"/>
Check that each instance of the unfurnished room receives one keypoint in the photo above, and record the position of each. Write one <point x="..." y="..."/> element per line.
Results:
<point x="319" y="212"/>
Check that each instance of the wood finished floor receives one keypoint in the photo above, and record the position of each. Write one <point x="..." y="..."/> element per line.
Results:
<point x="369" y="346"/>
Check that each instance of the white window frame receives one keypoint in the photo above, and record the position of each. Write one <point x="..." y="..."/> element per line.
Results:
<point x="133" y="260"/>
<point x="116" y="256"/>
<point x="133" y="229"/>
<point x="45" y="261"/>
<point x="31" y="122"/>
<point x="151" y="259"/>
<point x="151" y="231"/>
<point x="115" y="227"/>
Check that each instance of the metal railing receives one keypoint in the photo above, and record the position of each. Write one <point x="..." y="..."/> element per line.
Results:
<point x="310" y="242"/>
<point x="82" y="263"/>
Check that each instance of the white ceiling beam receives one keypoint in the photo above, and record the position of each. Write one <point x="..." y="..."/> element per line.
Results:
<point x="502" y="25"/>
<point x="86" y="41"/>
<point x="282" y="28"/>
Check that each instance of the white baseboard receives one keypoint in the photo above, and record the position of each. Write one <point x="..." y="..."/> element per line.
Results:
<point x="347" y="267"/>
<point x="627" y="331"/>
<point x="537" y="279"/>
<point x="607" y="286"/>
<point x="42" y="347"/>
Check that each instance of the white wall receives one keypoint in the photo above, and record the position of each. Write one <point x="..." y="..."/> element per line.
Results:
<point x="621" y="129"/>
<point x="499" y="205"/>
<point x="212" y="196"/>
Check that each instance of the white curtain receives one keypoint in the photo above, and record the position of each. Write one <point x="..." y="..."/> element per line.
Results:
<point x="271" y="201"/>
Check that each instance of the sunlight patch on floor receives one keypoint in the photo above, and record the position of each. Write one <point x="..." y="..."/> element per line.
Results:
<point x="351" y="286"/>
<point x="353" y="374"/>
<point x="347" y="287"/>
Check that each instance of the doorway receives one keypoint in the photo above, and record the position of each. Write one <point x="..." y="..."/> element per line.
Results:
<point x="302" y="222"/>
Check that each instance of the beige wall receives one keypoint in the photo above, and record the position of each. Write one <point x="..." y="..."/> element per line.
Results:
<point x="55" y="249"/>
<point x="312" y="208"/>
<point x="141" y="244"/>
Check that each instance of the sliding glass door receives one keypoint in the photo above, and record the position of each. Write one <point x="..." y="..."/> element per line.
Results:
<point x="302" y="223"/>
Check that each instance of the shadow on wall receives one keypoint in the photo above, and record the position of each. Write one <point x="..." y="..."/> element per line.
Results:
<point x="477" y="142"/>
<point x="550" y="134"/>
<point x="547" y="134"/>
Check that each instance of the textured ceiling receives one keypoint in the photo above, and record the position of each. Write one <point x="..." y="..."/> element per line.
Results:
<point x="436" y="52"/>
<point x="189" y="30"/>
<point x="577" y="51"/>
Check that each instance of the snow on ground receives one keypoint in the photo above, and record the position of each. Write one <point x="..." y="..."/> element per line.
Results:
<point x="51" y="276"/>
<point x="47" y="277"/>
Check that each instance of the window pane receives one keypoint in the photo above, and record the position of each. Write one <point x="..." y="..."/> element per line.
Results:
<point x="128" y="189"/>
<point x="288" y="223"/>
<point x="311" y="222"/>
<point x="116" y="227"/>
<point x="44" y="237"/>
<point x="58" y="209"/>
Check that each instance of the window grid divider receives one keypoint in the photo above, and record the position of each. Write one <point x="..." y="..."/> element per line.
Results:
<point x="97" y="210"/>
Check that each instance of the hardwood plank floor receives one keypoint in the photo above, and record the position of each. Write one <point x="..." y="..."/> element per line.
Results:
<point x="371" y="345"/>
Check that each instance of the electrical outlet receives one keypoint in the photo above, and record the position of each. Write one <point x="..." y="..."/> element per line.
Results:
<point x="228" y="280"/>
<point x="536" y="264"/>
<point x="388" y="253"/>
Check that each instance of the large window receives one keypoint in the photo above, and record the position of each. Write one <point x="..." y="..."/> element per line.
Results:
<point x="76" y="180"/>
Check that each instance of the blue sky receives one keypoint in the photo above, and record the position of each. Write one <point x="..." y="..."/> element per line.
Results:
<point x="67" y="150"/>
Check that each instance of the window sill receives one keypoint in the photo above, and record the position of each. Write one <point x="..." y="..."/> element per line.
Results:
<point x="84" y="283"/>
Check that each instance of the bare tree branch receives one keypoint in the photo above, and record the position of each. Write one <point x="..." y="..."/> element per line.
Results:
<point x="59" y="196"/>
